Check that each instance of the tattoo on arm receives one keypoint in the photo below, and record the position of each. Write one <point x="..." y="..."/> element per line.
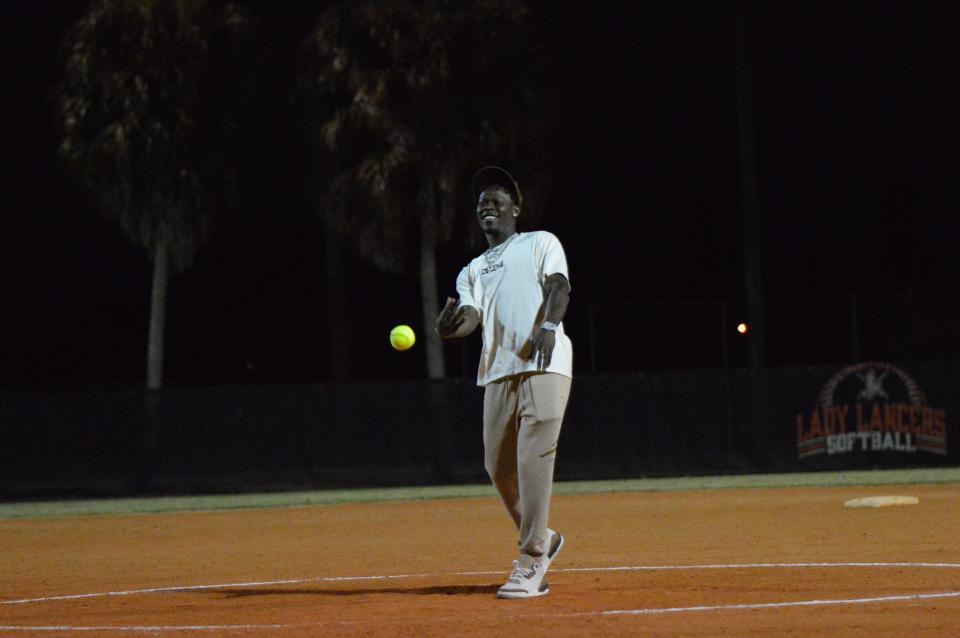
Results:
<point x="558" y="297"/>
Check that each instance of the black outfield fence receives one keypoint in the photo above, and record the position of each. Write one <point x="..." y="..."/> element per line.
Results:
<point x="872" y="414"/>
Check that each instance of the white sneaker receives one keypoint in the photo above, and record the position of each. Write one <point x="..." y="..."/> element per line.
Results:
<point x="556" y="544"/>
<point x="525" y="582"/>
<point x="528" y="582"/>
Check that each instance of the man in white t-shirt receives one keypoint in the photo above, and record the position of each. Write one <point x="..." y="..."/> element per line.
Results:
<point x="517" y="291"/>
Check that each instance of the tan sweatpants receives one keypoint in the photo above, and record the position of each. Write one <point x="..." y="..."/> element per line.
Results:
<point x="522" y="415"/>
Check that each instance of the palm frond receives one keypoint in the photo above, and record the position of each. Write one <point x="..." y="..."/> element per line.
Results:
<point x="150" y="108"/>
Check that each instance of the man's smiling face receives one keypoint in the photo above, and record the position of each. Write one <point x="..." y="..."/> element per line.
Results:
<point x="497" y="212"/>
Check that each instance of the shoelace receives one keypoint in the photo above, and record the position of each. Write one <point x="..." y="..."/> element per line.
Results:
<point x="521" y="572"/>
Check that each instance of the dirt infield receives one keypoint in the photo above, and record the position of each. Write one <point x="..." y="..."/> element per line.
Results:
<point x="756" y="562"/>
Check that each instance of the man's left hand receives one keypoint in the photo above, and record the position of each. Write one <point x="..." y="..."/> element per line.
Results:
<point x="542" y="348"/>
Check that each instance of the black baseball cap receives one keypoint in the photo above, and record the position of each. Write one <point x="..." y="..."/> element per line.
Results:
<point x="494" y="175"/>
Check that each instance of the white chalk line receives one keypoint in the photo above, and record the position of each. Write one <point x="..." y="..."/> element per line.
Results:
<point x="188" y="588"/>
<point x="794" y="603"/>
<point x="759" y="566"/>
<point x="650" y="611"/>
<point x="331" y="579"/>
<point x="147" y="628"/>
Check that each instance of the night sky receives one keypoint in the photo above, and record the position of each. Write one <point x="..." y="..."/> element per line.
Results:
<point x="856" y="106"/>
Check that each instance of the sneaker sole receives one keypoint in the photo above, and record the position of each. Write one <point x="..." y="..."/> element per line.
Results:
<point x="516" y="595"/>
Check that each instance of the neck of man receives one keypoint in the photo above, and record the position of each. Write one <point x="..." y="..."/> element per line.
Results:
<point x="496" y="238"/>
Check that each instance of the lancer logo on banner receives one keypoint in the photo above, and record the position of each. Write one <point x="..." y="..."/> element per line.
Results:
<point x="868" y="408"/>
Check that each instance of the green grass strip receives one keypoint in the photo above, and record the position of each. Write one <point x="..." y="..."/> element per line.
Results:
<point x="169" y="504"/>
<point x="863" y="478"/>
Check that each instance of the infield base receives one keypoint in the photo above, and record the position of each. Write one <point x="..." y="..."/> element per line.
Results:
<point x="881" y="501"/>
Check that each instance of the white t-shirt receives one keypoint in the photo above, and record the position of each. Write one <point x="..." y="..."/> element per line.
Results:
<point x="508" y="292"/>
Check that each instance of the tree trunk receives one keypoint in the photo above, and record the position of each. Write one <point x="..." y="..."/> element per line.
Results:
<point x="753" y="273"/>
<point x="438" y="405"/>
<point x="158" y="311"/>
<point x="436" y="368"/>
<point x="147" y="439"/>
<point x="338" y="340"/>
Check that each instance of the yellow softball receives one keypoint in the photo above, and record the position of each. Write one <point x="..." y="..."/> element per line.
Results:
<point x="402" y="337"/>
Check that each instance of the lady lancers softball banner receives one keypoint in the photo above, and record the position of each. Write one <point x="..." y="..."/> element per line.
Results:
<point x="874" y="410"/>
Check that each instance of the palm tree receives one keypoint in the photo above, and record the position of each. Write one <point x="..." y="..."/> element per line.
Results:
<point x="154" y="109"/>
<point x="403" y="102"/>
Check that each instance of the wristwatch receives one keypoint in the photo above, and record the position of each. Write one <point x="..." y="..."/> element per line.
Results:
<point x="548" y="325"/>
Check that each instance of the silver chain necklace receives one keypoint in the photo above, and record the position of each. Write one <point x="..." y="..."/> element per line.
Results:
<point x="492" y="256"/>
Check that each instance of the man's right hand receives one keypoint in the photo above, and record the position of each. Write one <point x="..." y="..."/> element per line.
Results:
<point x="450" y="319"/>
